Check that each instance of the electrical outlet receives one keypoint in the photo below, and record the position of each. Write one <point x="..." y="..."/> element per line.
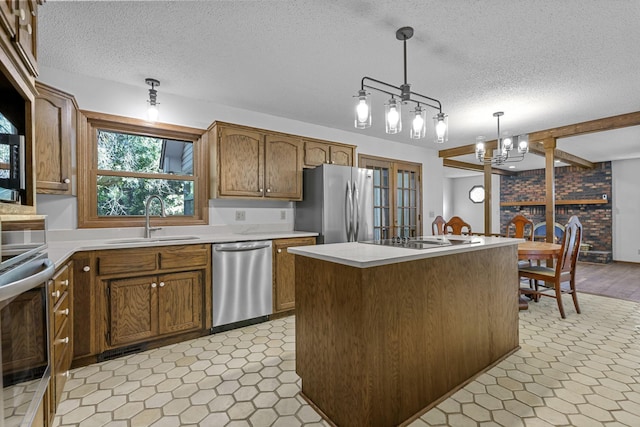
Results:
<point x="283" y="215"/>
<point x="240" y="215"/>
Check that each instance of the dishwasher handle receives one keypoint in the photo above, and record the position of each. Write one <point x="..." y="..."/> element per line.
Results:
<point x="241" y="248"/>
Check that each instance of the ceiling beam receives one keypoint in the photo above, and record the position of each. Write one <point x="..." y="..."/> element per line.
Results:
<point x="538" y="148"/>
<point x="598" y="125"/>
<point x="473" y="167"/>
<point x="466" y="149"/>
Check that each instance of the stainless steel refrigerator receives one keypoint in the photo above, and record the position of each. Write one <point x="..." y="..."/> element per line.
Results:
<point x="337" y="203"/>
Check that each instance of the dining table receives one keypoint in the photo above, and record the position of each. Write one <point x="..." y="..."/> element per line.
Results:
<point x="534" y="250"/>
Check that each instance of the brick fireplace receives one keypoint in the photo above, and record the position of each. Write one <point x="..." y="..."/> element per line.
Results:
<point x="584" y="186"/>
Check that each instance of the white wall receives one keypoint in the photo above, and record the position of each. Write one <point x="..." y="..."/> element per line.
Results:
<point x="129" y="101"/>
<point x="459" y="204"/>
<point x="626" y="210"/>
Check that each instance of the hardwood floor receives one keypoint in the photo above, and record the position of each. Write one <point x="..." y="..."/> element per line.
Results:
<point x="617" y="279"/>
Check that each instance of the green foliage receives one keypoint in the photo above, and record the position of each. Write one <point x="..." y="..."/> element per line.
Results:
<point x="5" y="125"/>
<point x="126" y="195"/>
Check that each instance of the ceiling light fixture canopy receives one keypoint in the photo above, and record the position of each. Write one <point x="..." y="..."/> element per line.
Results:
<point x="506" y="143"/>
<point x="399" y="96"/>
<point x="152" y="108"/>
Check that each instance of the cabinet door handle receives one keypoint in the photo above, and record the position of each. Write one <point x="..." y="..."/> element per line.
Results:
<point x="161" y="284"/>
<point x="260" y="190"/>
<point x="20" y="14"/>
<point x="64" y="312"/>
<point x="66" y="180"/>
<point x="56" y="294"/>
<point x="65" y="282"/>
<point x="64" y="340"/>
<point x="86" y="268"/>
<point x="154" y="284"/>
<point x="268" y="190"/>
<point x="279" y="250"/>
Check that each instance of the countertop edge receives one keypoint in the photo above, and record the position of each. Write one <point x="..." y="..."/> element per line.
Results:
<point x="60" y="251"/>
<point x="367" y="256"/>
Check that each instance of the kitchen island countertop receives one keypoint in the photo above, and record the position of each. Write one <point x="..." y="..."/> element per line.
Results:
<point x="363" y="255"/>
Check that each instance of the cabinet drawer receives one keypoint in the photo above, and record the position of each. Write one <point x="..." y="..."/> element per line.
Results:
<point x="60" y="313"/>
<point x="126" y="261"/>
<point x="61" y="363"/>
<point x="60" y="284"/>
<point x="185" y="256"/>
<point x="61" y="347"/>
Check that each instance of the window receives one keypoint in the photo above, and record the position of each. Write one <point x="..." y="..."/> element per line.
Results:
<point x="476" y="194"/>
<point x="397" y="189"/>
<point x="124" y="161"/>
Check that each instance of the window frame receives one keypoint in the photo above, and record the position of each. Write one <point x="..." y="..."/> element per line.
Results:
<point x="88" y="126"/>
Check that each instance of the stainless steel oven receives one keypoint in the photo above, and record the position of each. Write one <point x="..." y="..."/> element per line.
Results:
<point x="24" y="320"/>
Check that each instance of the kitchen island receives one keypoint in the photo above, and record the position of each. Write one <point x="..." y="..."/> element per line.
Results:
<point x="385" y="333"/>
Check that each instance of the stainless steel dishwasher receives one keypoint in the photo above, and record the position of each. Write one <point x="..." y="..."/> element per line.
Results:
<point x="242" y="284"/>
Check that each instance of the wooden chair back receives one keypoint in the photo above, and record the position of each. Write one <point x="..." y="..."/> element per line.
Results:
<point x="437" y="226"/>
<point x="564" y="270"/>
<point x="571" y="240"/>
<point x="457" y="226"/>
<point x="521" y="227"/>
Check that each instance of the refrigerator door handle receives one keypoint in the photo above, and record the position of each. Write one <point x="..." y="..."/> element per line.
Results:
<point x="348" y="211"/>
<point x="356" y="216"/>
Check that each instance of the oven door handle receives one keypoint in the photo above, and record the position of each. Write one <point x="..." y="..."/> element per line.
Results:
<point x="21" y="283"/>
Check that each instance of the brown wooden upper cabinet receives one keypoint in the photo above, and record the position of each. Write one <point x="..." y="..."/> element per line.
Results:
<point x="252" y="163"/>
<point x="55" y="135"/>
<point x="319" y="152"/>
<point x="18" y="19"/>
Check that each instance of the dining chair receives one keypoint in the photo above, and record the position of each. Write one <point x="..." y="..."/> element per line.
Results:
<point x="521" y="227"/>
<point x="564" y="270"/>
<point x="456" y="226"/>
<point x="437" y="226"/>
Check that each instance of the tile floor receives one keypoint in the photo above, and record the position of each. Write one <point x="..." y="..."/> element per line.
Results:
<point x="582" y="371"/>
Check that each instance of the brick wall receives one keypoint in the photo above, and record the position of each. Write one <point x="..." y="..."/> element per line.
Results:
<point x="571" y="183"/>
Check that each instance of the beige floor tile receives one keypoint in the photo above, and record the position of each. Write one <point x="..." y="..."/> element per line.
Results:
<point x="582" y="371"/>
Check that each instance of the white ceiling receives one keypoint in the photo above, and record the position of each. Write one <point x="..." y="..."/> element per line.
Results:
<point x="544" y="63"/>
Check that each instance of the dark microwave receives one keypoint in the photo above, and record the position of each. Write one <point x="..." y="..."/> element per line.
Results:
<point x="12" y="167"/>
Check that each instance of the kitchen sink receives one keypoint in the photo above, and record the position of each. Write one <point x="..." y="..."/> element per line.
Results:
<point x="151" y="239"/>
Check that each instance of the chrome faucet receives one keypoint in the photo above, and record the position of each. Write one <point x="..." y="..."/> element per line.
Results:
<point x="147" y="228"/>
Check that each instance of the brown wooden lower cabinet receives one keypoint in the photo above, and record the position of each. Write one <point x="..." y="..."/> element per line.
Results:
<point x="147" y="307"/>
<point x="284" y="278"/>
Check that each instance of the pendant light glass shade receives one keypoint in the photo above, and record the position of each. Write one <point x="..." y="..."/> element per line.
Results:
<point x="419" y="123"/>
<point x="393" y="116"/>
<point x="523" y="144"/>
<point x="363" y="110"/>
<point x="480" y="148"/>
<point x="152" y="113"/>
<point x="441" y="123"/>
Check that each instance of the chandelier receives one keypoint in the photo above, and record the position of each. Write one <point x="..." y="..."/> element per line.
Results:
<point x="401" y="95"/>
<point x="506" y="143"/>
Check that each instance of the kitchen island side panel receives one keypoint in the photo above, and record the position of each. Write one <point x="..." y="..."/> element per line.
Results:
<point x="399" y="337"/>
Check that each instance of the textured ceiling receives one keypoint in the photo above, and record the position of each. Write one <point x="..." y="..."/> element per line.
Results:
<point x="544" y="63"/>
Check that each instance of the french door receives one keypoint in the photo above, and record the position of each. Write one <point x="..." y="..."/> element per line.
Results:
<point x="397" y="209"/>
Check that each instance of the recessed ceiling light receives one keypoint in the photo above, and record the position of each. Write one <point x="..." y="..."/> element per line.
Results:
<point x="512" y="167"/>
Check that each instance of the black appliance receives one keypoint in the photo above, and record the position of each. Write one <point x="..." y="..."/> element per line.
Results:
<point x="24" y="320"/>
<point x="12" y="168"/>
